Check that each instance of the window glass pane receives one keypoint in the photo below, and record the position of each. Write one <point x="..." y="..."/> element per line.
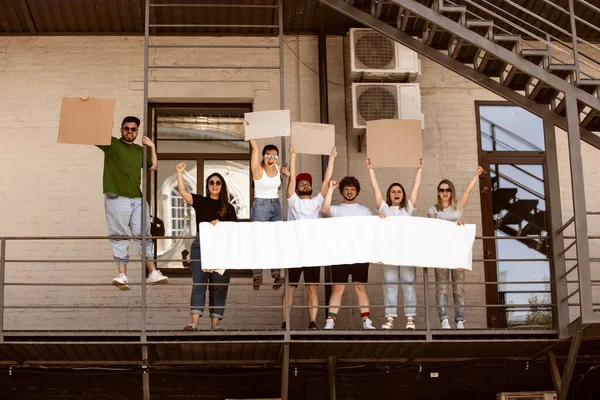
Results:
<point x="510" y="128"/>
<point x="178" y="217"/>
<point x="519" y="208"/>
<point x="202" y="146"/>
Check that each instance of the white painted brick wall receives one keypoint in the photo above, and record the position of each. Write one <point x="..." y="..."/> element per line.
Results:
<point x="51" y="189"/>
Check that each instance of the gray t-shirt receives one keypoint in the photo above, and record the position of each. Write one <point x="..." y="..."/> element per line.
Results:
<point x="395" y="211"/>
<point x="350" y="210"/>
<point x="447" y="214"/>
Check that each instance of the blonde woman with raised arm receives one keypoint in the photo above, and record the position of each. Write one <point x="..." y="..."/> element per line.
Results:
<point x="447" y="208"/>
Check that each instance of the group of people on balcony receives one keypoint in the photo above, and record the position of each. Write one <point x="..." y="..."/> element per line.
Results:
<point x="123" y="202"/>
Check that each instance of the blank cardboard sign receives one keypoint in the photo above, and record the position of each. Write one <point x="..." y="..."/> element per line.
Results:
<point x="394" y="143"/>
<point x="86" y="121"/>
<point x="309" y="138"/>
<point x="267" y="124"/>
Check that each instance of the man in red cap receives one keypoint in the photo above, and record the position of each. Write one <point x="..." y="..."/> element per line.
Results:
<point x="302" y="206"/>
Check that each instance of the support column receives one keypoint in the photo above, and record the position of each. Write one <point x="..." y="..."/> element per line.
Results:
<point x="324" y="109"/>
<point x="145" y="172"/>
<point x="570" y="366"/>
<point x="285" y="371"/>
<point x="579" y="210"/>
<point x="331" y="377"/>
<point x="554" y="372"/>
<point x="559" y="290"/>
<point x="145" y="373"/>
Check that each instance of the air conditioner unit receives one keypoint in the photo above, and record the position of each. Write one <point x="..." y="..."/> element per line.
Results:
<point x="372" y="101"/>
<point x="373" y="54"/>
<point x="527" y="396"/>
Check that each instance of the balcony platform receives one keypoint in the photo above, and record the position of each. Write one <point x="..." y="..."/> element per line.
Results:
<point x="265" y="347"/>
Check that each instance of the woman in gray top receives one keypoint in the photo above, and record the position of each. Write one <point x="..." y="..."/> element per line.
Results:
<point x="447" y="208"/>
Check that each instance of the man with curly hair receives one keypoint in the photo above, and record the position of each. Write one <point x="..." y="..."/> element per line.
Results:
<point x="349" y="188"/>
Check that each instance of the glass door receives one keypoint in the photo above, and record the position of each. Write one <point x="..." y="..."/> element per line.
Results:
<point x="514" y="197"/>
<point x="515" y="214"/>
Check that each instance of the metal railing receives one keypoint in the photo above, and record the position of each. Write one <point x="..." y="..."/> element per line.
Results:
<point x="579" y="289"/>
<point x="542" y="309"/>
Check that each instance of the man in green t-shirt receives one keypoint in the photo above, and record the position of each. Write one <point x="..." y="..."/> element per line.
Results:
<point x="123" y="198"/>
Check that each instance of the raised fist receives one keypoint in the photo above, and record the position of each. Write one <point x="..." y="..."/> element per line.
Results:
<point x="180" y="167"/>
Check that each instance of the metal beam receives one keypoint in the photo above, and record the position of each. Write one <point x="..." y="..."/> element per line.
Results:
<point x="554" y="372"/>
<point x="28" y="17"/>
<point x="498" y="51"/>
<point x="281" y="76"/>
<point x="570" y="366"/>
<point x="145" y="373"/>
<point x="145" y="170"/>
<point x="574" y="38"/>
<point x="558" y="245"/>
<point x="331" y="365"/>
<point x="579" y="210"/>
<point x="285" y="371"/>
<point x="458" y="67"/>
<point x="2" y="278"/>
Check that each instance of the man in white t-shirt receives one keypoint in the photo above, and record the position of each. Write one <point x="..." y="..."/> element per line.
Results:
<point x="350" y="189"/>
<point x="302" y="206"/>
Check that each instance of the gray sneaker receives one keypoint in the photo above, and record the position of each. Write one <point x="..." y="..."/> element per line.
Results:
<point x="445" y="324"/>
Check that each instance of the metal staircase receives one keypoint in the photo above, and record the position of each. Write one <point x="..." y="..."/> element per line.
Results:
<point x="526" y="65"/>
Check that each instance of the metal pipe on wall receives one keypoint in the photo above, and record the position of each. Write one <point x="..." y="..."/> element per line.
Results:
<point x="324" y="110"/>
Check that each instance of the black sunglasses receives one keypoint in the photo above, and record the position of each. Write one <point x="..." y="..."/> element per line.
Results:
<point x="215" y="183"/>
<point x="445" y="190"/>
<point x="126" y="129"/>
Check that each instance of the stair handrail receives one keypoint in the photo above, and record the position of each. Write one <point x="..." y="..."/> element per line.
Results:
<point x="533" y="192"/>
<point x="540" y="39"/>
<point x="531" y="45"/>
<point x="513" y="135"/>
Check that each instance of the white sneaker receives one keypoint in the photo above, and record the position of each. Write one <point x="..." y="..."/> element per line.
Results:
<point x="121" y="282"/>
<point x="389" y="324"/>
<point x="460" y="325"/>
<point x="446" y="324"/>
<point x="368" y="324"/>
<point x="156" y="277"/>
<point x="410" y="323"/>
<point x="329" y="323"/>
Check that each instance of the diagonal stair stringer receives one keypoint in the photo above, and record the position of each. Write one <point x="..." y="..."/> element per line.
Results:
<point x="468" y="72"/>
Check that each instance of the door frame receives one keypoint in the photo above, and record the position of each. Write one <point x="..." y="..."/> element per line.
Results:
<point x="151" y="190"/>
<point x="487" y="157"/>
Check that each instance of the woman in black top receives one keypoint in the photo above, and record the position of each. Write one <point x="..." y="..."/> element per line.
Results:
<point x="212" y="208"/>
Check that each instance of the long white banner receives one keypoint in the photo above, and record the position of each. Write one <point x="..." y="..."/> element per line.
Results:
<point x="413" y="241"/>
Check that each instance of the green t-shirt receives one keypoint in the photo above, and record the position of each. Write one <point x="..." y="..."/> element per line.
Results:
<point x="123" y="168"/>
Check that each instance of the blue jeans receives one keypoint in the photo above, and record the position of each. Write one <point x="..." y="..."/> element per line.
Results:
<point x="124" y="214"/>
<point x="266" y="210"/>
<point x="217" y="295"/>
<point x="391" y="274"/>
<point x="442" y="281"/>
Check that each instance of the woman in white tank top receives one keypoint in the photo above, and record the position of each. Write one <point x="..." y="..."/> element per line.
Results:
<point x="266" y="206"/>
<point x="448" y="209"/>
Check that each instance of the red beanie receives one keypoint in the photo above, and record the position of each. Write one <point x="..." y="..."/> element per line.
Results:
<point x="304" y="177"/>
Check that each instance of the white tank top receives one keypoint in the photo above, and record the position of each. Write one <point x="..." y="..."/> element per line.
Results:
<point x="267" y="187"/>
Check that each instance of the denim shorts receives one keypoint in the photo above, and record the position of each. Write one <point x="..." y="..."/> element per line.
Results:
<point x="266" y="210"/>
